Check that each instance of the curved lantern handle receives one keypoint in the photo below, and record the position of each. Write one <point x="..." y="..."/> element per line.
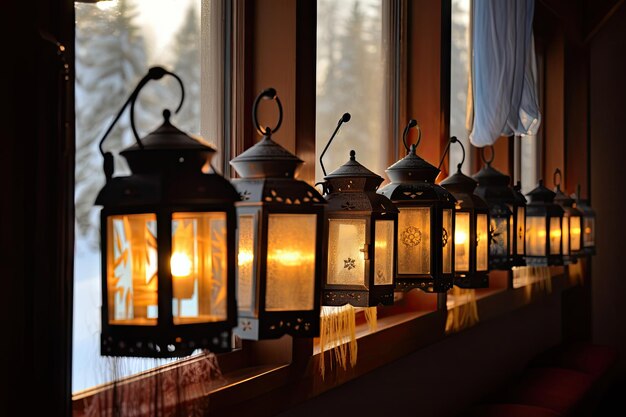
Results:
<point x="344" y="119"/>
<point x="452" y="140"/>
<point x="154" y="73"/>
<point x="493" y="154"/>
<point x="557" y="184"/>
<point x="268" y="94"/>
<point x="409" y="125"/>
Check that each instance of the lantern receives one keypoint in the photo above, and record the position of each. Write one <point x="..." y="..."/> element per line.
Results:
<point x="544" y="237"/>
<point x="168" y="244"/>
<point x="507" y="216"/>
<point x="280" y="261"/>
<point x="425" y="257"/>
<point x="362" y="229"/>
<point x="572" y="223"/>
<point x="589" y="223"/>
<point x="471" y="229"/>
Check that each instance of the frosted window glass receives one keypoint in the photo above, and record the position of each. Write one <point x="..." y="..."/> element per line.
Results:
<point x="535" y="236"/>
<point x="555" y="235"/>
<point x="462" y="241"/>
<point x="132" y="269"/>
<point x="414" y="241"/>
<point x="574" y="228"/>
<point x="199" y="267"/>
<point x="245" y="263"/>
<point x="384" y="252"/>
<point x="521" y="229"/>
<point x="447" y="244"/>
<point x="565" y="235"/>
<point x="346" y="262"/>
<point x="499" y="236"/>
<point x="290" y="262"/>
<point x="482" y="243"/>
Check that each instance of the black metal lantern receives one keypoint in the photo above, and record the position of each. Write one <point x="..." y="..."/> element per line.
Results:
<point x="572" y="223"/>
<point x="362" y="229"/>
<point x="168" y="245"/>
<point x="507" y="216"/>
<point x="425" y="256"/>
<point x="544" y="225"/>
<point x="280" y="241"/>
<point x="471" y="229"/>
<point x="589" y="223"/>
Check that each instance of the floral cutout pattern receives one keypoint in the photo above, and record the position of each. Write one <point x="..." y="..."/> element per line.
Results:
<point x="411" y="236"/>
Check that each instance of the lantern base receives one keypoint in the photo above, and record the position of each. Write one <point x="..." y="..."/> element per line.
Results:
<point x="428" y="285"/>
<point x="570" y="259"/>
<point x="518" y="260"/>
<point x="129" y="343"/>
<point x="553" y="260"/>
<point x="359" y="298"/>
<point x="480" y="280"/>
<point x="277" y="324"/>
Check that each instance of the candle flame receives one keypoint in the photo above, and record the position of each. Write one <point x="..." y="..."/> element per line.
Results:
<point x="180" y="264"/>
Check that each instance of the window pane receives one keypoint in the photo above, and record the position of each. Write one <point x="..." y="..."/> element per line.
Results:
<point x="290" y="262"/>
<point x="245" y="263"/>
<point x="116" y="43"/>
<point x="199" y="267"/>
<point x="132" y="269"/>
<point x="351" y="77"/>
<point x="384" y="252"/>
<point x="460" y="61"/>
<point x="346" y="263"/>
<point x="414" y="241"/>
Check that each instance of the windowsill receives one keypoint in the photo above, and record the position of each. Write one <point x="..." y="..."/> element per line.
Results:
<point x="418" y="320"/>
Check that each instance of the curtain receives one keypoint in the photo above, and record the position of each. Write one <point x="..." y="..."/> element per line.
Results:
<point x="504" y="97"/>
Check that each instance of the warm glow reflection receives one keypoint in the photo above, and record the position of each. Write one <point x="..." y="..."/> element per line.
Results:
<point x="180" y="264"/>
<point x="553" y="233"/>
<point x="460" y="237"/>
<point x="588" y="230"/>
<point x="541" y="233"/>
<point x="380" y="244"/>
<point x="575" y="231"/>
<point x="290" y="257"/>
<point x="245" y="257"/>
<point x="106" y="4"/>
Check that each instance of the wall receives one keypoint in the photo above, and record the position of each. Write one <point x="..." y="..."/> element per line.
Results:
<point x="608" y="149"/>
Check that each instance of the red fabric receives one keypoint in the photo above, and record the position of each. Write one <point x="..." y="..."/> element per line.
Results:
<point x="510" y="410"/>
<point x="595" y="360"/>
<point x="560" y="390"/>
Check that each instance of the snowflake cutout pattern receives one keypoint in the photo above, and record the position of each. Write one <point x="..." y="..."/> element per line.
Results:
<point x="246" y="325"/>
<point x="411" y="236"/>
<point x="244" y="195"/>
<point x="349" y="264"/>
<point x="348" y="206"/>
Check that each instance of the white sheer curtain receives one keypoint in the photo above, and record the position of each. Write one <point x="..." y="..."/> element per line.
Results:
<point x="504" y="71"/>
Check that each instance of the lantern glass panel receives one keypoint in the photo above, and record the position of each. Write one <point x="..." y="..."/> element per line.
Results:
<point x="511" y="234"/>
<point x="346" y="262"/>
<point x="132" y="269"/>
<point x="290" y="262"/>
<point x="482" y="243"/>
<point x="589" y="238"/>
<point x="536" y="236"/>
<point x="462" y="241"/>
<point x="414" y="240"/>
<point x="574" y="229"/>
<point x="499" y="236"/>
<point x="447" y="248"/>
<point x="245" y="262"/>
<point x="566" y="235"/>
<point x="383" y="258"/>
<point x="521" y="230"/>
<point x="199" y="267"/>
<point x="555" y="235"/>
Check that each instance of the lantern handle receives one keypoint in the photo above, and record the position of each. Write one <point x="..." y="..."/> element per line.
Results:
<point x="268" y="94"/>
<point x="452" y="140"/>
<point x="344" y="119"/>
<point x="410" y="124"/>
<point x="557" y="172"/>
<point x="493" y="154"/>
<point x="154" y="73"/>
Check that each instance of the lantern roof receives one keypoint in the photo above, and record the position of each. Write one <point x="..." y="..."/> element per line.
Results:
<point x="541" y="194"/>
<point x="459" y="182"/>
<point x="412" y="168"/>
<point x="561" y="198"/>
<point x="266" y="159"/>
<point x="581" y="204"/>
<point x="167" y="148"/>
<point x="367" y="180"/>
<point x="493" y="186"/>
<point x="519" y="196"/>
